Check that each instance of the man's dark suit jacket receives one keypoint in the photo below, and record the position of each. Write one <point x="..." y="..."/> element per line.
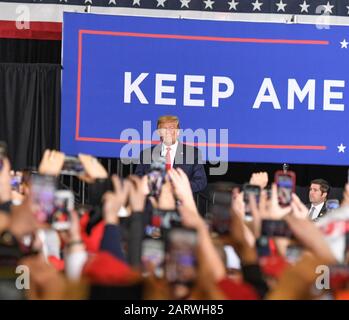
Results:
<point x="187" y="158"/>
<point x="323" y="210"/>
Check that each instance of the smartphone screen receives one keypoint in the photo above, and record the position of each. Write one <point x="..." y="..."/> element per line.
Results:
<point x="218" y="216"/>
<point x="155" y="182"/>
<point x="153" y="256"/>
<point x="285" y="186"/>
<point x="16" y="181"/>
<point x="332" y="204"/>
<point x="250" y="189"/>
<point x="43" y="190"/>
<point x="181" y="261"/>
<point x="156" y="176"/>
<point x="63" y="207"/>
<point x="72" y="166"/>
<point x="276" y="228"/>
<point x="153" y="227"/>
<point x="219" y="219"/>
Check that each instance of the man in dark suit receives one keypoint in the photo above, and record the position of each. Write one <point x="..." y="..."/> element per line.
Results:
<point x="318" y="192"/>
<point x="175" y="154"/>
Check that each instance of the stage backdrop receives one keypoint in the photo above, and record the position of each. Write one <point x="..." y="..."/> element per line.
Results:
<point x="250" y="92"/>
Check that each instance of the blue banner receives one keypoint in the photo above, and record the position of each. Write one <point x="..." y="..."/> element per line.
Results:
<point x="247" y="92"/>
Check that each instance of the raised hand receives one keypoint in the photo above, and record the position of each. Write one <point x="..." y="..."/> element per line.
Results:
<point x="51" y="163"/>
<point x="345" y="201"/>
<point x="137" y="193"/>
<point x="113" y="201"/>
<point x="181" y="186"/>
<point x="259" y="179"/>
<point x="93" y="169"/>
<point x="273" y="210"/>
<point x="5" y="182"/>
<point x="299" y="210"/>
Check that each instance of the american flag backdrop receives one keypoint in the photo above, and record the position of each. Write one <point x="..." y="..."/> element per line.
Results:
<point x="42" y="19"/>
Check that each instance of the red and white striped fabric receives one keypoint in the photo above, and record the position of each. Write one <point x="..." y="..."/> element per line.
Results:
<point x="31" y="20"/>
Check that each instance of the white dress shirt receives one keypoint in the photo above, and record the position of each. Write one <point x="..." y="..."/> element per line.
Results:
<point x="316" y="211"/>
<point x="172" y="151"/>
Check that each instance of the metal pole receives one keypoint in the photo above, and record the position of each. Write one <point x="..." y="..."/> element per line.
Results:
<point x="109" y="167"/>
<point x="83" y="193"/>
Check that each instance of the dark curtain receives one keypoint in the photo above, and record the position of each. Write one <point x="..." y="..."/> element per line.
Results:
<point x="30" y="51"/>
<point x="240" y="173"/>
<point x="29" y="111"/>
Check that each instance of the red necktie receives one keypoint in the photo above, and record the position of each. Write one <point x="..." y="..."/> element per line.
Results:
<point x="168" y="159"/>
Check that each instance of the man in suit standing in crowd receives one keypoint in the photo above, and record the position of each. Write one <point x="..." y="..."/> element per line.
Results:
<point x="318" y="193"/>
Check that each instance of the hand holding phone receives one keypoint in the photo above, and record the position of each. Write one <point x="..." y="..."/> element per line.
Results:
<point x="63" y="207"/>
<point x="181" y="260"/>
<point x="72" y="166"/>
<point x="219" y="212"/>
<point x="156" y="177"/>
<point x="286" y="184"/>
<point x="153" y="256"/>
<point x="250" y="190"/>
<point x="16" y="181"/>
<point x="276" y="228"/>
<point x="43" y="190"/>
<point x="51" y="163"/>
<point x="92" y="168"/>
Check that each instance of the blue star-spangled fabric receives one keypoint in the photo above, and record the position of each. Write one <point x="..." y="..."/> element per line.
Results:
<point x="304" y="7"/>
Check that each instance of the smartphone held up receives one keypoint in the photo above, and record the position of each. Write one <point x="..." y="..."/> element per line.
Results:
<point x="219" y="212"/>
<point x="254" y="191"/>
<point x="72" y="166"/>
<point x="51" y="206"/>
<point x="286" y="184"/>
<point x="180" y="259"/>
<point x="63" y="208"/>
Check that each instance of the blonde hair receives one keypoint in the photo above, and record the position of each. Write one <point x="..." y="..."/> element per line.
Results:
<point x="168" y="118"/>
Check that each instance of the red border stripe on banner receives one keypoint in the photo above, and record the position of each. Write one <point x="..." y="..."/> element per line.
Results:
<point x="204" y="38"/>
